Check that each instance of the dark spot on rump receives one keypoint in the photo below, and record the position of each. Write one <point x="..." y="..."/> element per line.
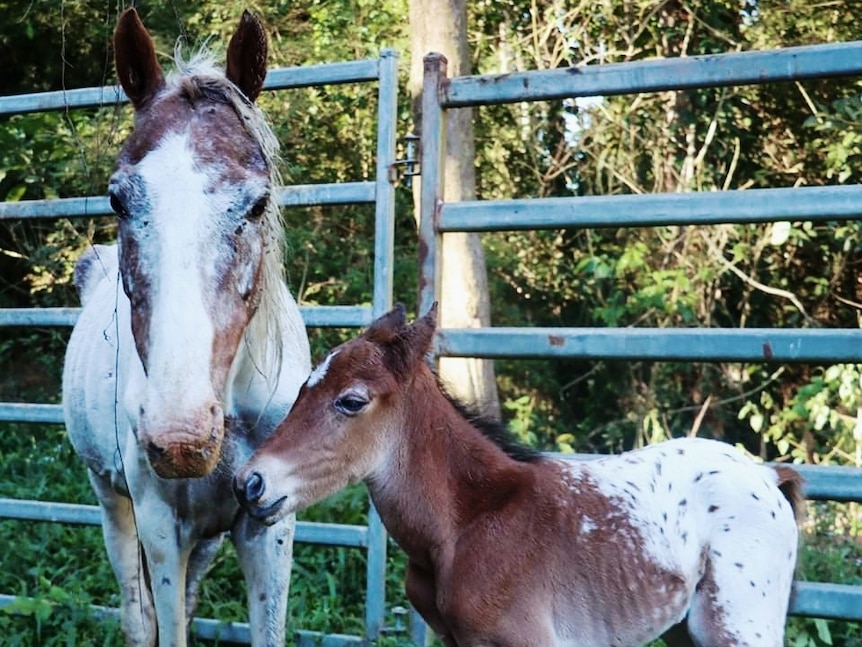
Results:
<point x="755" y="497"/>
<point x="752" y="583"/>
<point x="683" y="502"/>
<point x="684" y="537"/>
<point x="773" y="514"/>
<point x="712" y="508"/>
<point x="698" y="477"/>
<point x="166" y="581"/>
<point x="738" y="564"/>
<point x="262" y="597"/>
<point x="713" y="472"/>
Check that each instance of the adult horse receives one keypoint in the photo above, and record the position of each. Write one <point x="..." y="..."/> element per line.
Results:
<point x="173" y="379"/>
<point x="688" y="539"/>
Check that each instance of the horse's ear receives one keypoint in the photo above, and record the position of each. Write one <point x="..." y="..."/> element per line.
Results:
<point x="138" y="71"/>
<point x="387" y="326"/>
<point x="246" y="56"/>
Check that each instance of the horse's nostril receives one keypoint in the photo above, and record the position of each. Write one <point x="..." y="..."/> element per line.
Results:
<point x="155" y="451"/>
<point x="254" y="487"/>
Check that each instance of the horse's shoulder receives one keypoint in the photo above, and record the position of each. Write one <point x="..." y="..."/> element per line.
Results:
<point x="95" y="264"/>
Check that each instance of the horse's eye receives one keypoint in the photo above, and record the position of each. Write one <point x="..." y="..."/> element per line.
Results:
<point x="259" y="208"/>
<point x="350" y="404"/>
<point x="118" y="207"/>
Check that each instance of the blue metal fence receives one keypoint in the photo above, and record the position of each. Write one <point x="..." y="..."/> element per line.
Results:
<point x="440" y="94"/>
<point x="379" y="192"/>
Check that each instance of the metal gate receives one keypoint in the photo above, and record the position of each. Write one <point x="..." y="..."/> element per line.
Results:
<point x="380" y="192"/>
<point x="440" y="94"/>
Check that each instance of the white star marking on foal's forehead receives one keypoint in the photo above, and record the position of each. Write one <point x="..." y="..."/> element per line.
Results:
<point x="319" y="372"/>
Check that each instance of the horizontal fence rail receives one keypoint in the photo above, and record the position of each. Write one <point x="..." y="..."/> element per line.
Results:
<point x="690" y="72"/>
<point x="817" y="204"/>
<point x="315" y="316"/>
<point x="300" y="195"/>
<point x="814" y="345"/>
<point x="280" y="79"/>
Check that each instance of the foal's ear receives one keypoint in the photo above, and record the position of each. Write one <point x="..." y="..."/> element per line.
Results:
<point x="420" y="334"/>
<point x="403" y="345"/>
<point x="138" y="71"/>
<point x="246" y="56"/>
<point x="387" y="326"/>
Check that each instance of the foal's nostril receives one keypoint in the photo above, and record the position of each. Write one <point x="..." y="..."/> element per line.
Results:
<point x="254" y="487"/>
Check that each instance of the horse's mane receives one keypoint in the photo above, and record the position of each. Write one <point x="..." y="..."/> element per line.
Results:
<point x="493" y="429"/>
<point x="200" y="78"/>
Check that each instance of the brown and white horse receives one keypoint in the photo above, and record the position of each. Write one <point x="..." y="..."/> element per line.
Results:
<point x="687" y="539"/>
<point x="189" y="348"/>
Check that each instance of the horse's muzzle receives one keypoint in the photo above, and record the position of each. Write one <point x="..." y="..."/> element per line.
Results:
<point x="184" y="451"/>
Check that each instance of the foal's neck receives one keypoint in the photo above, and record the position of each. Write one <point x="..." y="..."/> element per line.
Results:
<point x="445" y="472"/>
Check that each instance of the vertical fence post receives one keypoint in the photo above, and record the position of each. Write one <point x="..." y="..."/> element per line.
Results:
<point x="431" y="194"/>
<point x="384" y="236"/>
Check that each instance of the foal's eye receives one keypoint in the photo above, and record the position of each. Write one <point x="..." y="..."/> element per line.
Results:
<point x="118" y="207"/>
<point x="259" y="208"/>
<point x="350" y="405"/>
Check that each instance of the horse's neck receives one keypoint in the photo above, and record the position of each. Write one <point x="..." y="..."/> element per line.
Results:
<point x="272" y="362"/>
<point x="446" y="474"/>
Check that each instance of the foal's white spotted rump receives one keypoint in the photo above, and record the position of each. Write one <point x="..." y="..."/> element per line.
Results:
<point x="687" y="540"/>
<point x="712" y="539"/>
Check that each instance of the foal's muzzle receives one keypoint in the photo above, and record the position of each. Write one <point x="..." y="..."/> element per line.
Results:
<point x="249" y="491"/>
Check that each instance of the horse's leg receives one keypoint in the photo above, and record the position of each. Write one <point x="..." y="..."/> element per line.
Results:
<point x="199" y="562"/>
<point x="265" y="554"/>
<point x="124" y="552"/>
<point x="163" y="537"/>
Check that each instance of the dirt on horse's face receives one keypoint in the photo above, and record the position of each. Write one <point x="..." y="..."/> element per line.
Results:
<point x="191" y="188"/>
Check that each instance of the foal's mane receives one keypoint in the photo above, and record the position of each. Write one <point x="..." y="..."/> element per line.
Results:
<point x="199" y="78"/>
<point x="493" y="429"/>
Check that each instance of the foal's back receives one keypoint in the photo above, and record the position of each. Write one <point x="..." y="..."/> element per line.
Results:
<point x="687" y="530"/>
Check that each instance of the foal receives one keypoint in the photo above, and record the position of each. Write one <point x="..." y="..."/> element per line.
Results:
<point x="508" y="548"/>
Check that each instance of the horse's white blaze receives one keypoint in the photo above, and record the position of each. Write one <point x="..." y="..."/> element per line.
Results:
<point x="319" y="372"/>
<point x="180" y="331"/>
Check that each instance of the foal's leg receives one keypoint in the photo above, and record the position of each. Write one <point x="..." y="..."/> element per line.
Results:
<point x="421" y="592"/>
<point x="124" y="552"/>
<point x="265" y="554"/>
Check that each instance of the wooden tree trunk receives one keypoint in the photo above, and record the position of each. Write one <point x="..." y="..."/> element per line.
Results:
<point x="441" y="26"/>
